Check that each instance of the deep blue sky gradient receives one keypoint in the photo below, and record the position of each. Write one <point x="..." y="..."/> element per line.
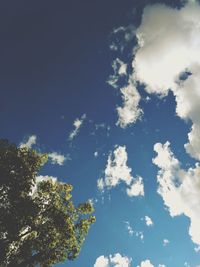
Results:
<point x="55" y="61"/>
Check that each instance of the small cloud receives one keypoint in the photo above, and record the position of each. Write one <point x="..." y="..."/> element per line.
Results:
<point x="130" y="112"/>
<point x="96" y="153"/>
<point x="120" y="261"/>
<point x="165" y="242"/>
<point x="120" y="70"/>
<point x="136" y="188"/>
<point x="102" y="261"/>
<point x="139" y="234"/>
<point x="116" y="260"/>
<point x="147" y="99"/>
<point x="30" y="142"/>
<point x="77" y="124"/>
<point x="58" y="158"/>
<point x="100" y="184"/>
<point x="117" y="171"/>
<point x="129" y="228"/>
<point x="121" y="37"/>
<point x="148" y="221"/>
<point x="119" y="67"/>
<point x="146" y="263"/>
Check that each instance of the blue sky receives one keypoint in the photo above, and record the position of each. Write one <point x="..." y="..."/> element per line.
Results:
<point x="103" y="87"/>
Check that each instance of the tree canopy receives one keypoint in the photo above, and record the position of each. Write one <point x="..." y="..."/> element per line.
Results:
<point x="39" y="224"/>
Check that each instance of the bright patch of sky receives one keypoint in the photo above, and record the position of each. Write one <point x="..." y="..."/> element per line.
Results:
<point x="134" y="68"/>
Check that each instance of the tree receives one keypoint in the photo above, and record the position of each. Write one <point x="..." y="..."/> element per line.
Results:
<point x="39" y="224"/>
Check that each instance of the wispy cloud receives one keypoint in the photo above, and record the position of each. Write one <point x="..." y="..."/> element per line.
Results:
<point x="130" y="111"/>
<point x="133" y="232"/>
<point x="31" y="140"/>
<point x="120" y="37"/>
<point x="129" y="228"/>
<point x="119" y="69"/>
<point x="77" y="125"/>
<point x="57" y="158"/>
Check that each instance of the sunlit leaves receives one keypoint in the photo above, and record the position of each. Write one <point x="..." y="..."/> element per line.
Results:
<point x="40" y="229"/>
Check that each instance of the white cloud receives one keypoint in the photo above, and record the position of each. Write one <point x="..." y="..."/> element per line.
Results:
<point x="136" y="188"/>
<point x="129" y="228"/>
<point x="116" y="260"/>
<point x="119" y="69"/>
<point x="157" y="53"/>
<point x="102" y="262"/>
<point x="117" y="171"/>
<point x="168" y="47"/>
<point x="179" y="188"/>
<point x="160" y="24"/>
<point x="165" y="242"/>
<point x="193" y="147"/>
<point x="129" y="112"/>
<point x="100" y="184"/>
<point x="77" y="124"/>
<point x="197" y="249"/>
<point x="148" y="221"/>
<point x="57" y="158"/>
<point x="120" y="261"/>
<point x="30" y="142"/>
<point x="146" y="263"/>
<point x="96" y="153"/>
